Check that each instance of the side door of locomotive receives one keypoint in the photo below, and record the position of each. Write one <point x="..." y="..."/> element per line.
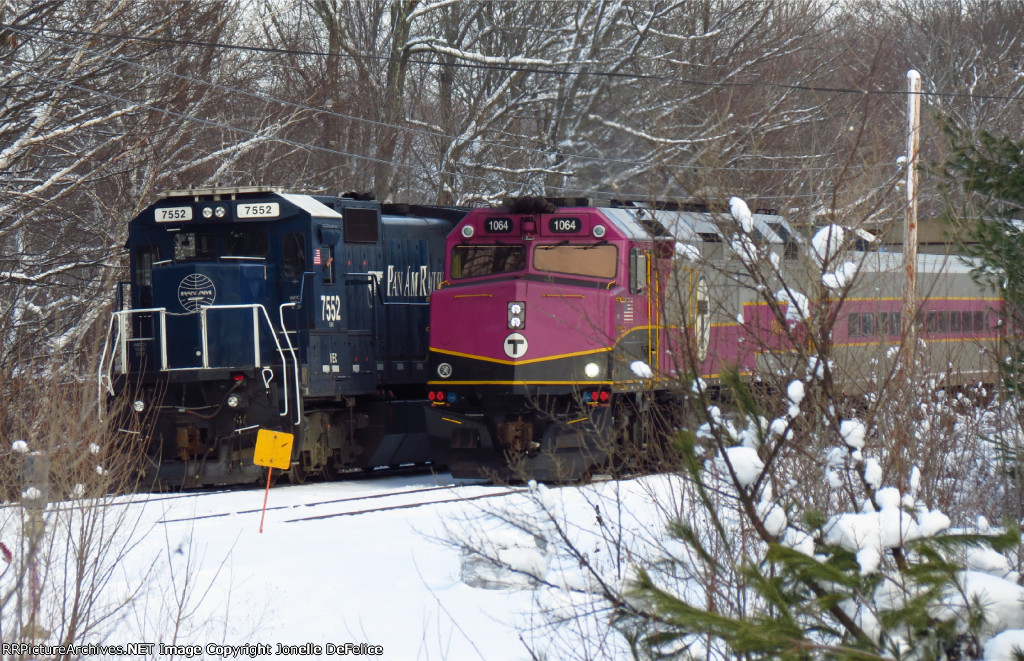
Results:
<point x="327" y="346"/>
<point x="361" y="276"/>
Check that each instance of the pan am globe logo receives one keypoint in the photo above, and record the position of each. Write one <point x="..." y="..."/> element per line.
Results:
<point x="195" y="291"/>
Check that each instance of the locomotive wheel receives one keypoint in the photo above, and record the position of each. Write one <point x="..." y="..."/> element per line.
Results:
<point x="637" y="445"/>
<point x="297" y="474"/>
<point x="330" y="469"/>
<point x="261" y="481"/>
<point x="623" y="458"/>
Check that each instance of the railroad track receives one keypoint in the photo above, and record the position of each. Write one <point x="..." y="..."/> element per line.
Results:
<point x="360" y="498"/>
<point x="405" y="506"/>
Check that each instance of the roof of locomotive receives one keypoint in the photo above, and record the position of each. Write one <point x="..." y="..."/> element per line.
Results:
<point x="926" y="262"/>
<point x="194" y="197"/>
<point x="639" y="221"/>
<point x="311" y="205"/>
<point x="636" y="223"/>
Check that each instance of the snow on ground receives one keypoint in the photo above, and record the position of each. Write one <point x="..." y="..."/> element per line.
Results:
<point x="385" y="577"/>
<point x="345" y="562"/>
<point x="376" y="578"/>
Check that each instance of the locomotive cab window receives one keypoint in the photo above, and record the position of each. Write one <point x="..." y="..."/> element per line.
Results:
<point x="595" y="261"/>
<point x="247" y="243"/>
<point x="327" y="263"/>
<point x="790" y="248"/>
<point x="293" y="255"/>
<point x="144" y="258"/>
<point x="637" y="271"/>
<point x="476" y="261"/>
<point x="194" y="245"/>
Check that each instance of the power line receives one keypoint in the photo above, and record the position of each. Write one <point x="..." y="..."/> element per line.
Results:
<point x="409" y="129"/>
<point x="372" y="122"/>
<point x="286" y="141"/>
<point x="547" y="70"/>
<point x="301" y="145"/>
<point x="313" y="147"/>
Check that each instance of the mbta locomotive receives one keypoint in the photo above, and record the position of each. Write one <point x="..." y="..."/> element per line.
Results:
<point x="557" y="327"/>
<point x="250" y="308"/>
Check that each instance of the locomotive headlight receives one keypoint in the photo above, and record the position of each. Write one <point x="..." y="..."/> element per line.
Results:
<point x="207" y="212"/>
<point x="592" y="370"/>
<point x="467" y="231"/>
<point x="233" y="401"/>
<point x="517" y="315"/>
<point x="599" y="231"/>
<point x="138" y="406"/>
<point x="220" y="212"/>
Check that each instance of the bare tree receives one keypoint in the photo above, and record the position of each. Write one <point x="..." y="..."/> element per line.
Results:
<point x="88" y="132"/>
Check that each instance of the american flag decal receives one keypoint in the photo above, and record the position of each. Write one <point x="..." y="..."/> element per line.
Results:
<point x="316" y="257"/>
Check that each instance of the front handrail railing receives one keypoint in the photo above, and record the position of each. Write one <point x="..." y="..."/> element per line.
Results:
<point x="114" y="357"/>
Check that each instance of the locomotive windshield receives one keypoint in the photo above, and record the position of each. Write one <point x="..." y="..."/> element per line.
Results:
<point x="247" y="243"/>
<point x="202" y="245"/>
<point x="475" y="261"/>
<point x="194" y="245"/>
<point x="600" y="261"/>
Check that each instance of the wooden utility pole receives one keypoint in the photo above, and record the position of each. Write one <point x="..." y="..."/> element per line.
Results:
<point x="910" y="227"/>
<point x="904" y="436"/>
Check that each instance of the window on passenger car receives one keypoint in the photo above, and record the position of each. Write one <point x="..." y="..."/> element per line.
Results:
<point x="713" y="248"/>
<point x="475" y="261"/>
<point x="599" y="261"/>
<point x="293" y="255"/>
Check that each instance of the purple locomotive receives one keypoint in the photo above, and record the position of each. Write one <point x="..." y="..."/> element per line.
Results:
<point x="559" y="328"/>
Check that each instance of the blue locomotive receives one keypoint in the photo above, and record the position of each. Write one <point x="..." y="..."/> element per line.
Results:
<point x="250" y="308"/>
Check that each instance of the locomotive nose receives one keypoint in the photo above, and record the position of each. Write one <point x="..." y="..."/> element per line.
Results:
<point x="211" y="325"/>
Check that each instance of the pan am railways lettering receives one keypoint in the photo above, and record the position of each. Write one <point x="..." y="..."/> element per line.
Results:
<point x="419" y="282"/>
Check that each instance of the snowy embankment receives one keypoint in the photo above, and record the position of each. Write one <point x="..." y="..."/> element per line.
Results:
<point x="371" y="571"/>
<point x="353" y="562"/>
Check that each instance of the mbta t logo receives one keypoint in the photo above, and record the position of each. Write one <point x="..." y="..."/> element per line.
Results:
<point x="515" y="345"/>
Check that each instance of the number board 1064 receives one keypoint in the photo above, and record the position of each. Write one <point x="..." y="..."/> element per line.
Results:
<point x="498" y="225"/>
<point x="565" y="225"/>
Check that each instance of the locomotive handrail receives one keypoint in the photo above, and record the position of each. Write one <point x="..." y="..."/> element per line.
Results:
<point x="120" y="348"/>
<point x="295" y="358"/>
<point x="118" y="353"/>
<point x="297" y="305"/>
<point x="256" y="309"/>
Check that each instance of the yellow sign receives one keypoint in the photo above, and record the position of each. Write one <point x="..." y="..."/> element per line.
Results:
<point x="273" y="449"/>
